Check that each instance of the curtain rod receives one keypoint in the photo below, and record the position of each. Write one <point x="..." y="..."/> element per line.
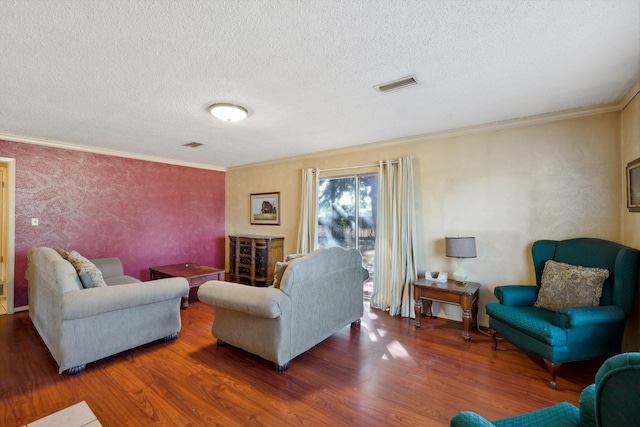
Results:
<point x="375" y="165"/>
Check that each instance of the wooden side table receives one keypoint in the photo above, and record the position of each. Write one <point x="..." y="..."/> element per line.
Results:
<point x="451" y="292"/>
<point x="196" y="275"/>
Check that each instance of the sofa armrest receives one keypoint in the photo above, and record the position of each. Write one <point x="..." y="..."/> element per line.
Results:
<point x="588" y="407"/>
<point x="94" y="301"/>
<point x="572" y="317"/>
<point x="516" y="295"/>
<point x="109" y="267"/>
<point x="266" y="302"/>
<point x="470" y="419"/>
<point x="563" y="414"/>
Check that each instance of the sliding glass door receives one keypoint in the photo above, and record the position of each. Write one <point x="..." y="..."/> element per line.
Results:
<point x="347" y="217"/>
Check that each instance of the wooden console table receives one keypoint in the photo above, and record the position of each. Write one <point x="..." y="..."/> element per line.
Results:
<point x="451" y="292"/>
<point x="196" y="275"/>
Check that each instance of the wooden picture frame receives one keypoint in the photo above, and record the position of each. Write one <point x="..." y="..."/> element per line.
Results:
<point x="265" y="208"/>
<point x="633" y="186"/>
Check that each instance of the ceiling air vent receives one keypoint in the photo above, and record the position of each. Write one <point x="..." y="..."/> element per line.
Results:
<point x="192" y="144"/>
<point x="397" y="84"/>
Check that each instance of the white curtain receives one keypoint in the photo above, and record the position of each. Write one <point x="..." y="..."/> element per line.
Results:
<point x="395" y="267"/>
<point x="307" y="228"/>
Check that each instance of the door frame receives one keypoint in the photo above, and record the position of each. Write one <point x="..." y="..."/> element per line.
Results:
<point x="10" y="235"/>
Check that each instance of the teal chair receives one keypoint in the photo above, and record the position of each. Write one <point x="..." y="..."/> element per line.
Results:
<point x="572" y="333"/>
<point x="613" y="401"/>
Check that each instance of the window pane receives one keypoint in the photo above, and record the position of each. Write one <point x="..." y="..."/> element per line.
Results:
<point x="336" y="212"/>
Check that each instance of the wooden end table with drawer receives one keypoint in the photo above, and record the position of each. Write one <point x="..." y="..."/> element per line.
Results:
<point x="196" y="275"/>
<point x="450" y="292"/>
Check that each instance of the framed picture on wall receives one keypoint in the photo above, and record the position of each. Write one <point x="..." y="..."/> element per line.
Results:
<point x="265" y="209"/>
<point x="633" y="186"/>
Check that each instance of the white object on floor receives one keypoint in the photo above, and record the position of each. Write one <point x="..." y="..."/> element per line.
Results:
<point x="78" y="415"/>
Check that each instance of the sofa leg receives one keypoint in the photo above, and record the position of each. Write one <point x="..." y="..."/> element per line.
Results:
<point x="282" y="368"/>
<point x="171" y="337"/>
<point x="75" y="370"/>
<point x="552" y="368"/>
<point x="356" y="323"/>
<point x="494" y="337"/>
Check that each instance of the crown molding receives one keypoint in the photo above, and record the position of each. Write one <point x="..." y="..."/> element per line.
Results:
<point x="635" y="89"/>
<point x="115" y="153"/>
<point x="489" y="127"/>
<point x="453" y="133"/>
<point x="507" y="124"/>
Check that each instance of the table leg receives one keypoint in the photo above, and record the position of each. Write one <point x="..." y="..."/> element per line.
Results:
<point x="474" y="312"/>
<point x="417" y="307"/>
<point x="427" y="310"/>
<point x="467" y="317"/>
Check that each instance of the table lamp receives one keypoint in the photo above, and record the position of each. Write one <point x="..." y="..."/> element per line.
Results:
<point x="460" y="248"/>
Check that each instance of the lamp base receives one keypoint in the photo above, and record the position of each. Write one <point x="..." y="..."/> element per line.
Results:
<point x="460" y="275"/>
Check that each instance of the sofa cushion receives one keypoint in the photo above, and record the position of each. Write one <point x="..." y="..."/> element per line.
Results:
<point x="89" y="274"/>
<point x="120" y="280"/>
<point x="109" y="267"/>
<point x="532" y="321"/>
<point x="564" y="285"/>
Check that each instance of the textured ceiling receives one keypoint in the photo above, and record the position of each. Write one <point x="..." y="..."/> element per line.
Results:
<point x="137" y="76"/>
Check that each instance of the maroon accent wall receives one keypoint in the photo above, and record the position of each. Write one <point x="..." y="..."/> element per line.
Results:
<point x="146" y="213"/>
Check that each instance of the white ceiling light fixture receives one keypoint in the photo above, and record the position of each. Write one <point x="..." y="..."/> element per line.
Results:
<point x="228" y="112"/>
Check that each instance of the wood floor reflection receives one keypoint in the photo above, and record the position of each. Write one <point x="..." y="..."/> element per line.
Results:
<point x="384" y="372"/>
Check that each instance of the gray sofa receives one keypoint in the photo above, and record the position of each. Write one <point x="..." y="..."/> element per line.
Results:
<point x="313" y="297"/>
<point x="81" y="325"/>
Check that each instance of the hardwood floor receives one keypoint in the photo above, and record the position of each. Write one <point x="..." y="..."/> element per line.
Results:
<point x="384" y="372"/>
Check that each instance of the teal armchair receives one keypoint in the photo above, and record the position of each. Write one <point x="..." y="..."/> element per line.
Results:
<point x="613" y="401"/>
<point x="572" y="333"/>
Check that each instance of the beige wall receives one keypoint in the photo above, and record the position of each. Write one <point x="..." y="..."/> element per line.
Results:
<point x="630" y="125"/>
<point x="507" y="186"/>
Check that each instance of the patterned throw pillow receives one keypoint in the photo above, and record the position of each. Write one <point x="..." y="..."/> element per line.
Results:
<point x="565" y="285"/>
<point x="90" y="275"/>
<point x="277" y="277"/>
<point x="64" y="254"/>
